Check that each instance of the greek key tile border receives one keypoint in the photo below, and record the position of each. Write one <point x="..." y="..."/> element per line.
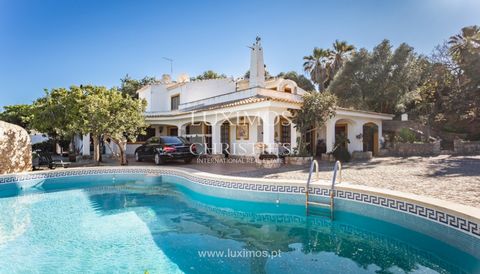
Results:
<point x="447" y="219"/>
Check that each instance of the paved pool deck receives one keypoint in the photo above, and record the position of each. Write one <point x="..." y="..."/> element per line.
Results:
<point x="451" y="178"/>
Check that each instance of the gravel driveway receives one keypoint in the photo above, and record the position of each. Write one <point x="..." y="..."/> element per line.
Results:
<point x="453" y="178"/>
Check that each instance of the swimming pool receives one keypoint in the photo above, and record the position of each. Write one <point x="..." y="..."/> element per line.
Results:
<point x="132" y="223"/>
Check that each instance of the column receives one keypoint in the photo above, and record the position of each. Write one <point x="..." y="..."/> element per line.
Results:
<point x="86" y="145"/>
<point x="269" y="131"/>
<point x="380" y="135"/>
<point x="293" y="136"/>
<point x="216" y="138"/>
<point x="330" y="134"/>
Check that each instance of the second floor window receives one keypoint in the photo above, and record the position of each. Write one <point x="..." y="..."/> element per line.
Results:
<point x="174" y="102"/>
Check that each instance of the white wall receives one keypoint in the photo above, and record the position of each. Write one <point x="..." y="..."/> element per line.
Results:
<point x="147" y="95"/>
<point x="355" y="127"/>
<point x="131" y="149"/>
<point x="246" y="146"/>
<point x="159" y="99"/>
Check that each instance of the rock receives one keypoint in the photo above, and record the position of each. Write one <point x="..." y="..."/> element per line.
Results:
<point x="15" y="149"/>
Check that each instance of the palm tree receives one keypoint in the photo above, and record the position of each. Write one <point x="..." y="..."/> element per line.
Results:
<point x="317" y="65"/>
<point x="467" y="40"/>
<point x="341" y="52"/>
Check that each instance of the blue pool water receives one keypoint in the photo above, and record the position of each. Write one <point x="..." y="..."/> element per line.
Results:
<point x="132" y="225"/>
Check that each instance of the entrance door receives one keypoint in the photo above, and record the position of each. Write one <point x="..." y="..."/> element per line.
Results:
<point x="225" y="138"/>
<point x="370" y="138"/>
<point x="341" y="135"/>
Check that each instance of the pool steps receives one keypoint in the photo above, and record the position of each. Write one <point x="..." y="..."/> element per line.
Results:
<point x="331" y="204"/>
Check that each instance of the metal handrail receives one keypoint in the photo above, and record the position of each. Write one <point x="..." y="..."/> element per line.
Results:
<point x="337" y="167"/>
<point x="312" y="165"/>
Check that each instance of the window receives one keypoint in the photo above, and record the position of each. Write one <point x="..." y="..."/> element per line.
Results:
<point x="285" y="134"/>
<point x="174" y="102"/>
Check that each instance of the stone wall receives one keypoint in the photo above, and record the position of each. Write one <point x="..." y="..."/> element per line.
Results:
<point x="466" y="147"/>
<point x="15" y="149"/>
<point x="407" y="149"/>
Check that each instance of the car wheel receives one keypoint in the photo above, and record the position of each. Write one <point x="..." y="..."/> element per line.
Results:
<point x="187" y="161"/>
<point x="158" y="160"/>
<point x="137" y="157"/>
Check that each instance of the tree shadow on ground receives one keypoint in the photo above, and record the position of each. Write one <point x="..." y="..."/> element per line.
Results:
<point x="455" y="167"/>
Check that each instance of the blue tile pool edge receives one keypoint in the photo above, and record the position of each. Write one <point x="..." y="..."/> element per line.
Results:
<point x="454" y="219"/>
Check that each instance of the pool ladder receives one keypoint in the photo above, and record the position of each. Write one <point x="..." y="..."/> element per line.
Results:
<point x="337" y="167"/>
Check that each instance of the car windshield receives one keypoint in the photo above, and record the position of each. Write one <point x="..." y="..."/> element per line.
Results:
<point x="172" y="140"/>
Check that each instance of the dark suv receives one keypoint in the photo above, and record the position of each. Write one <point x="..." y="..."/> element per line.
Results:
<point x="163" y="148"/>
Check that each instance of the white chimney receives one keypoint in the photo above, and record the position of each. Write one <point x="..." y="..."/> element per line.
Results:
<point x="257" y="67"/>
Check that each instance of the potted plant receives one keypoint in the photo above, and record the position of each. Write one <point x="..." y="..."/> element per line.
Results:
<point x="299" y="155"/>
<point x="265" y="159"/>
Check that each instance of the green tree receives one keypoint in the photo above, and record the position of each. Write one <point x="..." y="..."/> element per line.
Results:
<point x="102" y="112"/>
<point x="209" y="74"/>
<point x="302" y="81"/>
<point x="316" y="109"/>
<point x="109" y="113"/>
<point x="318" y="66"/>
<point x="130" y="86"/>
<point x="20" y="115"/>
<point x="95" y="115"/>
<point x="378" y="80"/>
<point x="466" y="44"/>
<point x="341" y="52"/>
<point x="465" y="51"/>
<point x="448" y="97"/>
<point x="432" y="100"/>
<point x="57" y="114"/>
<point x="126" y="120"/>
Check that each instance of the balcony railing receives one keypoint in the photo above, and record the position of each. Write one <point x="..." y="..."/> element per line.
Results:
<point x="238" y="95"/>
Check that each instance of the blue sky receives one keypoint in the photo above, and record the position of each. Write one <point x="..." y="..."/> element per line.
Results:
<point x="47" y="44"/>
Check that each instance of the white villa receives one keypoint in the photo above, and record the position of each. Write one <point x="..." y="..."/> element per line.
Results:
<point x="240" y="116"/>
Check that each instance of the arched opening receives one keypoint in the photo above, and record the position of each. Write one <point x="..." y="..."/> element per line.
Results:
<point x="199" y="133"/>
<point x="239" y="135"/>
<point x="370" y="138"/>
<point x="287" y="86"/>
<point x="343" y="132"/>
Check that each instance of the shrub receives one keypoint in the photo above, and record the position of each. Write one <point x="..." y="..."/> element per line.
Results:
<point x="405" y="135"/>
<point x="340" y="151"/>
<point x="341" y="154"/>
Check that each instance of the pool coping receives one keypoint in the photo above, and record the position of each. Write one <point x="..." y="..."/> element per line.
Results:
<point x="461" y="217"/>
